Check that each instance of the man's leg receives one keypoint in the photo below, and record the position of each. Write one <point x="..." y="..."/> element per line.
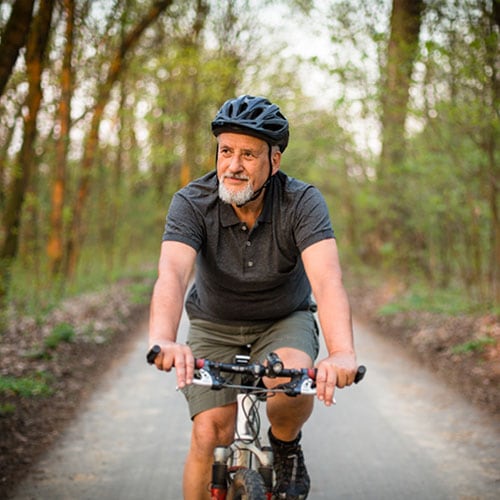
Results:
<point x="287" y="415"/>
<point x="210" y="428"/>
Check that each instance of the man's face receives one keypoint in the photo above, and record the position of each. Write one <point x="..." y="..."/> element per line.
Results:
<point x="242" y="166"/>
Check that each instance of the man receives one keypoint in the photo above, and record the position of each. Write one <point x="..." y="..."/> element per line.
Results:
<point x="262" y="242"/>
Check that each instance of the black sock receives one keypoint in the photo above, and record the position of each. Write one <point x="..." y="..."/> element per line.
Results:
<point x="283" y="444"/>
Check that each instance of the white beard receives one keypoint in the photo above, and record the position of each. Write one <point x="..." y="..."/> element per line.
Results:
<point x="235" y="197"/>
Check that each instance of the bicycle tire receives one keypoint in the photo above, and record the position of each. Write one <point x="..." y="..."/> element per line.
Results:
<point x="247" y="484"/>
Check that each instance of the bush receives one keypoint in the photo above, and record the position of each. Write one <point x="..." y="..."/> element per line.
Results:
<point x="29" y="386"/>
<point x="63" y="332"/>
<point x="476" y="345"/>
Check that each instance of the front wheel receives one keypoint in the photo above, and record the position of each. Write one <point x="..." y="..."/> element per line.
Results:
<point x="247" y="484"/>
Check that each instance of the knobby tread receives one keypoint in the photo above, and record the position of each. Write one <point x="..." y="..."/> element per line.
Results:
<point x="247" y="484"/>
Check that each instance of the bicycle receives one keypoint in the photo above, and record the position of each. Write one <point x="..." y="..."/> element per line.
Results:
<point x="244" y="470"/>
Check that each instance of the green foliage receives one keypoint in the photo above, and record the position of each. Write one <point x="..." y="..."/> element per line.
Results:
<point x="36" y="385"/>
<point x="140" y="292"/>
<point x="63" y="332"/>
<point x="476" y="345"/>
<point x="33" y="292"/>
<point x="436" y="226"/>
<point x="97" y="336"/>
<point x="128" y="250"/>
<point x="442" y="301"/>
<point x="7" y="409"/>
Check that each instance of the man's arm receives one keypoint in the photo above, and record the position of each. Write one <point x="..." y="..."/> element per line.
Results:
<point x="321" y="262"/>
<point x="174" y="272"/>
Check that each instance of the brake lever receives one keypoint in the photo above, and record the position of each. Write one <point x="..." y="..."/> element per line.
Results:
<point x="299" y="384"/>
<point x="308" y="386"/>
<point x="204" y="378"/>
<point x="209" y="379"/>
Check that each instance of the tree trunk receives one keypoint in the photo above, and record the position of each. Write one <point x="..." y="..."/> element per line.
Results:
<point x="401" y="53"/>
<point x="492" y="147"/>
<point x="192" y="93"/>
<point x="14" y="38"/>
<point x="406" y="19"/>
<point x="37" y="43"/>
<point x="76" y="233"/>
<point x="55" y="243"/>
<point x="4" y="149"/>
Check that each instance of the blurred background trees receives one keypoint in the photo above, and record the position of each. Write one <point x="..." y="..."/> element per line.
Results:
<point x="105" y="109"/>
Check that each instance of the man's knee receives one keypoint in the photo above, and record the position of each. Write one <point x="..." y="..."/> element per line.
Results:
<point x="294" y="358"/>
<point x="212" y="428"/>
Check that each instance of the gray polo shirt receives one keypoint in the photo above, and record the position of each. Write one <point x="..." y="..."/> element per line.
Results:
<point x="243" y="275"/>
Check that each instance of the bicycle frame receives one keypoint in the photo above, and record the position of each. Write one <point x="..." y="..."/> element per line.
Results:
<point x="245" y="452"/>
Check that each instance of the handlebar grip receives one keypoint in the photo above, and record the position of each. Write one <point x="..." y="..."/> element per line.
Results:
<point x="152" y="353"/>
<point x="360" y="374"/>
<point x="312" y="372"/>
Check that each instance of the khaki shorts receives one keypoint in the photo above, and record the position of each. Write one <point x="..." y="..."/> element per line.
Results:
<point x="220" y="342"/>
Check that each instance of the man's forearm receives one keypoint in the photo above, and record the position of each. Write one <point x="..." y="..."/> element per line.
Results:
<point x="165" y="313"/>
<point x="334" y="313"/>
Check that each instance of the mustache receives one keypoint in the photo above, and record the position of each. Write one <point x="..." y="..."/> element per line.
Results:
<point x="235" y="176"/>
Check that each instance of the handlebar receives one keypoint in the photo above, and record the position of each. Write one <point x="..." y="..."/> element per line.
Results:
<point x="209" y="374"/>
<point x="257" y="370"/>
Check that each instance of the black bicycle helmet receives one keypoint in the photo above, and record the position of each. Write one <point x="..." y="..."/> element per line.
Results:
<point x="255" y="116"/>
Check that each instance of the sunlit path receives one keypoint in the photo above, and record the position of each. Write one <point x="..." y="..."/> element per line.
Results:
<point x="399" y="434"/>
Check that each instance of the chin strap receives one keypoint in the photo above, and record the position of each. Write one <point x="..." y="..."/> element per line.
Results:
<point x="257" y="193"/>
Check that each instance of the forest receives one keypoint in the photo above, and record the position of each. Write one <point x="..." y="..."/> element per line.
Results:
<point x="105" y="110"/>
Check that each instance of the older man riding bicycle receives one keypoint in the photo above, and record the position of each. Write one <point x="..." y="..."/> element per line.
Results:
<point x="261" y="243"/>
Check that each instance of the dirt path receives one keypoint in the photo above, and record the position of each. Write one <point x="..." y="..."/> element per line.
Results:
<point x="399" y="434"/>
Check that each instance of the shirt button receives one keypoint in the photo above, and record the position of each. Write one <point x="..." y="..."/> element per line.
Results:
<point x="244" y="227"/>
<point x="248" y="243"/>
<point x="250" y="263"/>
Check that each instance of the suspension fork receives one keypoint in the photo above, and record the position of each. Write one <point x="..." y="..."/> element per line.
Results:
<point x="266" y="471"/>
<point x="218" y="488"/>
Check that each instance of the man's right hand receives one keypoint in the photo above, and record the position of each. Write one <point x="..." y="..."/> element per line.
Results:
<point x="178" y="356"/>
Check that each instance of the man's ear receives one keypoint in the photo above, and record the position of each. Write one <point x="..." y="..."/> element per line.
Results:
<point x="276" y="159"/>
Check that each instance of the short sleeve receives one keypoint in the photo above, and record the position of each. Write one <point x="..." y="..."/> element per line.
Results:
<point x="312" y="223"/>
<point x="183" y="223"/>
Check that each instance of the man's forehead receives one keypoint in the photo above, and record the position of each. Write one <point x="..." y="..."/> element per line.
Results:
<point x="242" y="141"/>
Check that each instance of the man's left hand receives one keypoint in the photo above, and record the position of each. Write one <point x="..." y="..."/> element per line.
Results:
<point x="337" y="370"/>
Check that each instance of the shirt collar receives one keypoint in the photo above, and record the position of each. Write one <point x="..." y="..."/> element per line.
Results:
<point x="227" y="215"/>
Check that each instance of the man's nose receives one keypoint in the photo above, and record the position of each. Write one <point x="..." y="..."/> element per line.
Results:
<point x="235" y="163"/>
